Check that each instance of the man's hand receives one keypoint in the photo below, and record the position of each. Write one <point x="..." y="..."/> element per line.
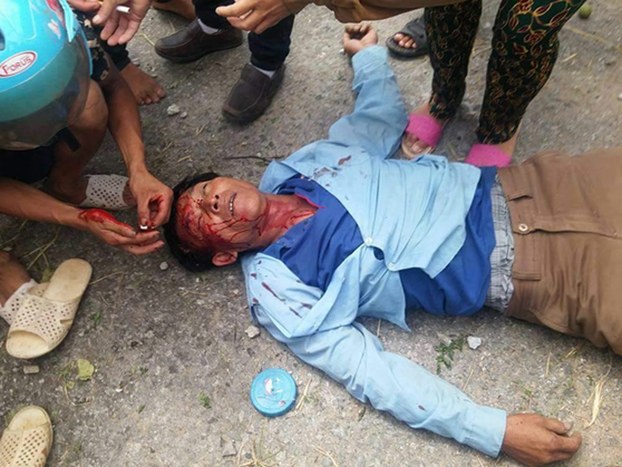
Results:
<point x="104" y="225"/>
<point x="358" y="36"/>
<point x="254" y="15"/>
<point x="88" y="6"/>
<point x="536" y="440"/>
<point x="119" y="28"/>
<point x="153" y="199"/>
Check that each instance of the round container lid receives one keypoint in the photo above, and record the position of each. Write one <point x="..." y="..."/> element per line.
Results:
<point x="273" y="392"/>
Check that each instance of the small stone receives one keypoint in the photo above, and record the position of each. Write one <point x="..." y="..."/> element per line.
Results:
<point x="163" y="266"/>
<point x="31" y="369"/>
<point x="585" y="11"/>
<point x="620" y="96"/>
<point x="8" y="248"/>
<point x="183" y="115"/>
<point x="487" y="25"/>
<point x="172" y="110"/>
<point x="149" y="334"/>
<point x="252" y="331"/>
<point x="228" y="448"/>
<point x="445" y="339"/>
<point x="135" y="61"/>
<point x="474" y="342"/>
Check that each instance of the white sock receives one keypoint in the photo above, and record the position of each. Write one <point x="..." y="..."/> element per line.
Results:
<point x="14" y="301"/>
<point x="207" y="29"/>
<point x="268" y="73"/>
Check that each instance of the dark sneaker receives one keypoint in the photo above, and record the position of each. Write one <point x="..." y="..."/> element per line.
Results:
<point x="191" y="43"/>
<point x="252" y="94"/>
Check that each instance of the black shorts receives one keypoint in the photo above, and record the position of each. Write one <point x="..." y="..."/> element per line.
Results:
<point x="27" y="166"/>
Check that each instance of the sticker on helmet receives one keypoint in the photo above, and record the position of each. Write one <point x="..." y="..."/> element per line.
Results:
<point x="56" y="8"/>
<point x="17" y="64"/>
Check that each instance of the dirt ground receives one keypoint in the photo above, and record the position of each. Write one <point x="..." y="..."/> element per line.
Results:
<point x="173" y="362"/>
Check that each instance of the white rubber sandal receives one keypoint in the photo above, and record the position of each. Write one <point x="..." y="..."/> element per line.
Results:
<point x="105" y="192"/>
<point x="27" y="440"/>
<point x="47" y="311"/>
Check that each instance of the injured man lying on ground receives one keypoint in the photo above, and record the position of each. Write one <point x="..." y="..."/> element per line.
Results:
<point x="339" y="231"/>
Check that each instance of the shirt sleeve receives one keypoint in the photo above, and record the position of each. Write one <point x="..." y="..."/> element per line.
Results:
<point x="379" y="117"/>
<point x="355" y="358"/>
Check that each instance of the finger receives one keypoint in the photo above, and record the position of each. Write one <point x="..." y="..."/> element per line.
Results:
<point x="557" y="426"/>
<point x="120" y="230"/>
<point x="86" y="5"/>
<point x="161" y="215"/>
<point x="143" y="249"/>
<point x="263" y="25"/>
<point x="106" y="12"/>
<point x="237" y="9"/>
<point x="142" y="210"/>
<point x="110" y="26"/>
<point x="129" y="32"/>
<point x="571" y="444"/>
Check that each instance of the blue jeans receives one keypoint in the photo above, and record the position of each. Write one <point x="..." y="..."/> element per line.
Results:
<point x="268" y="49"/>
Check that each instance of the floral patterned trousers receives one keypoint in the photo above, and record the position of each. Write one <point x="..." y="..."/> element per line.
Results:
<point x="524" y="50"/>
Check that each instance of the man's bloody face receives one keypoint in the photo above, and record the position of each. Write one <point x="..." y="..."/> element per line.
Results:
<point x="222" y="214"/>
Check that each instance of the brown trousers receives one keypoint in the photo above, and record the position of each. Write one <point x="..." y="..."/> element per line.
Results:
<point x="567" y="221"/>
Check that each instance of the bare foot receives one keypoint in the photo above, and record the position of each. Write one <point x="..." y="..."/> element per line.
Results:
<point x="509" y="146"/>
<point x="404" y="40"/>
<point x="412" y="146"/>
<point x="146" y="90"/>
<point x="183" y="8"/>
<point x="358" y="36"/>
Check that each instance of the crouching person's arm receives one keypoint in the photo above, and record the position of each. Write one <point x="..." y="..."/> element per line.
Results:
<point x="19" y="199"/>
<point x="153" y="198"/>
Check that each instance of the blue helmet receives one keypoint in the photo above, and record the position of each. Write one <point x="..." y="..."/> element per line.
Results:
<point x="44" y="71"/>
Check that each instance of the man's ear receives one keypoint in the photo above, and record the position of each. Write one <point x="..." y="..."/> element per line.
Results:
<point x="224" y="258"/>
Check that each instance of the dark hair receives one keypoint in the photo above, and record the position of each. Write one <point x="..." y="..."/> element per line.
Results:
<point x="192" y="261"/>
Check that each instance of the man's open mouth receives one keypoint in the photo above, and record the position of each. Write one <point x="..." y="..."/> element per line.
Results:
<point x="231" y="200"/>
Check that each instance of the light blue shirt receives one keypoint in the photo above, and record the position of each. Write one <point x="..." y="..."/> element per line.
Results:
<point x="414" y="213"/>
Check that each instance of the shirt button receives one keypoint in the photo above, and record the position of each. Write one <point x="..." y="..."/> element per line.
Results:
<point x="368" y="241"/>
<point x="523" y="228"/>
<point x="391" y="266"/>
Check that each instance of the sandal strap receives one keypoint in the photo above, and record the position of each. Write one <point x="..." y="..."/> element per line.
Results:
<point x="11" y="306"/>
<point x="105" y="192"/>
<point x="416" y="30"/>
<point x="44" y="317"/>
<point x="426" y="128"/>
<point x="27" y="448"/>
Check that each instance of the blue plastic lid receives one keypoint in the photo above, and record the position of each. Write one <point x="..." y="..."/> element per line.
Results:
<point x="273" y="392"/>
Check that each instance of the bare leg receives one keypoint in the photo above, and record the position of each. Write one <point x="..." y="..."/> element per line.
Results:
<point x="12" y="276"/>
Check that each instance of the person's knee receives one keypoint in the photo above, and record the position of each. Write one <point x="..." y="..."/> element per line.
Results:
<point x="5" y="258"/>
<point x="94" y="117"/>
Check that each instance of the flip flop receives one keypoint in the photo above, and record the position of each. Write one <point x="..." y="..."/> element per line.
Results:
<point x="487" y="155"/>
<point x="426" y="129"/>
<point x="47" y="311"/>
<point x="27" y="440"/>
<point x="414" y="29"/>
<point x="105" y="192"/>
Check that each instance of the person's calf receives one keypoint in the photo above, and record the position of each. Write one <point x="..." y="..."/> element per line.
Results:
<point x="13" y="277"/>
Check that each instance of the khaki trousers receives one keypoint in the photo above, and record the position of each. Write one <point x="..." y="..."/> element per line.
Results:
<point x="567" y="221"/>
